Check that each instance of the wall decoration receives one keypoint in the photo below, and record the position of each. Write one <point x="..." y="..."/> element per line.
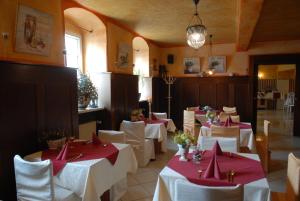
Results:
<point x="192" y="65"/>
<point x="123" y="55"/>
<point x="218" y="63"/>
<point x="33" y="31"/>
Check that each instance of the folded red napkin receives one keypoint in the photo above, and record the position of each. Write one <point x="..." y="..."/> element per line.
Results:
<point x="153" y="117"/>
<point x="63" y="154"/>
<point x="213" y="169"/>
<point x="228" y="122"/>
<point x="217" y="149"/>
<point x="95" y="139"/>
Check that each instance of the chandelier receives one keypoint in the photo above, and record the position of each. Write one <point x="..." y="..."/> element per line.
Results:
<point x="196" y="31"/>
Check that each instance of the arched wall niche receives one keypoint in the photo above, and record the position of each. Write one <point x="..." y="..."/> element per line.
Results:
<point x="141" y="67"/>
<point x="92" y="31"/>
<point x="140" y="56"/>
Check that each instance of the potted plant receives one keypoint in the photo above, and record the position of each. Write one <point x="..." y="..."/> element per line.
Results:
<point x="55" y="139"/>
<point x="86" y="90"/>
<point x="210" y="115"/>
<point x="183" y="140"/>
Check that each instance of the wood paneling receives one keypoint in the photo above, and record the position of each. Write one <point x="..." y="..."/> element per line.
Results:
<point x="213" y="91"/>
<point x="34" y="98"/>
<point x="119" y="95"/>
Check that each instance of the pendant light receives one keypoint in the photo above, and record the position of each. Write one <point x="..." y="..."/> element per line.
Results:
<point x="196" y="31"/>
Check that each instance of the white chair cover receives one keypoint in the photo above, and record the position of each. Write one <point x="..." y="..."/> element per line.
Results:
<point x="34" y="182"/>
<point x="111" y="136"/>
<point x="293" y="173"/>
<point x="226" y="144"/>
<point x="229" y="110"/>
<point x="135" y="135"/>
<point x="160" y="115"/>
<point x="186" y="191"/>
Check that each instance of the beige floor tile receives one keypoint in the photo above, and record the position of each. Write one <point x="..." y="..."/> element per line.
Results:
<point x="146" y="177"/>
<point x="145" y="199"/>
<point x="149" y="187"/>
<point x="137" y="192"/>
<point x="131" y="181"/>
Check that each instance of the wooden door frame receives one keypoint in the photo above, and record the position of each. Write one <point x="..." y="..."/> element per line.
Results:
<point x="257" y="60"/>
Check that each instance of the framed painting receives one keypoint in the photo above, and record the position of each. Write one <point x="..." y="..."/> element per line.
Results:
<point x="218" y="63"/>
<point x="33" y="31"/>
<point x="192" y="65"/>
<point x="123" y="55"/>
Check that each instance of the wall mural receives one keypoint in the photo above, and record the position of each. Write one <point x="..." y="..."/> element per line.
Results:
<point x="123" y="55"/>
<point x="33" y="31"/>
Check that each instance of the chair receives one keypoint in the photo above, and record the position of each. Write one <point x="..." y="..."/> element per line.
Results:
<point x="186" y="191"/>
<point x="226" y="144"/>
<point x="223" y="116"/>
<point x="293" y="181"/>
<point x="111" y="136"/>
<point x="160" y="115"/>
<point x="289" y="103"/>
<point x="227" y="132"/>
<point x="262" y="145"/>
<point x="189" y="124"/>
<point x="192" y="108"/>
<point x="235" y="118"/>
<point x="135" y="135"/>
<point x="34" y="182"/>
<point x="229" y="110"/>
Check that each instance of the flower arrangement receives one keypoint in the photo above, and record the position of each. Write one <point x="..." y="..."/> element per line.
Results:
<point x="210" y="115"/>
<point x="206" y="108"/>
<point x="184" y="139"/>
<point x="85" y="90"/>
<point x="137" y="115"/>
<point x="53" y="138"/>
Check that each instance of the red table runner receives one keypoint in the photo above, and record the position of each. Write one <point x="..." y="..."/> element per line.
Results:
<point x="241" y="125"/>
<point x="246" y="170"/>
<point x="88" y="151"/>
<point x="157" y="121"/>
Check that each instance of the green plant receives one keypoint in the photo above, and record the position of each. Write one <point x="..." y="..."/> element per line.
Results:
<point x="86" y="87"/>
<point x="210" y="114"/>
<point x="184" y="138"/>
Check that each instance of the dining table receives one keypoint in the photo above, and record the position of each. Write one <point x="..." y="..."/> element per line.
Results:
<point x="247" y="168"/>
<point x="90" y="178"/>
<point x="246" y="133"/>
<point x="157" y="129"/>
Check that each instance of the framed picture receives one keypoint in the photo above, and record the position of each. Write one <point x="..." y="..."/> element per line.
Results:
<point x="192" y="65"/>
<point x="33" y="31"/>
<point x="218" y="63"/>
<point x="123" y="55"/>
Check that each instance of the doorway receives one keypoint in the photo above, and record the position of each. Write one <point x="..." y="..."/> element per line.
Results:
<point x="276" y="97"/>
<point x="280" y="59"/>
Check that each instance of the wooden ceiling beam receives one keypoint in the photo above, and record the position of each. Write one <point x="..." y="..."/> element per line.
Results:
<point x="247" y="16"/>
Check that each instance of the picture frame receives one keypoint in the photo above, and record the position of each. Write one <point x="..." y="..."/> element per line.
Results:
<point x="218" y="63"/>
<point x="191" y="65"/>
<point x="123" y="55"/>
<point x="33" y="31"/>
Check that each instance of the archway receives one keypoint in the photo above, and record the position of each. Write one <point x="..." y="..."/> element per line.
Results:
<point x="91" y="31"/>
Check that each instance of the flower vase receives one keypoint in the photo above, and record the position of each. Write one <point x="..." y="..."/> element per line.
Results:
<point x="183" y="151"/>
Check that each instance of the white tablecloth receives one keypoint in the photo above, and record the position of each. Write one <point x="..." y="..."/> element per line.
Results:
<point x="246" y="136"/>
<point x="91" y="178"/>
<point x="157" y="131"/>
<point x="165" y="188"/>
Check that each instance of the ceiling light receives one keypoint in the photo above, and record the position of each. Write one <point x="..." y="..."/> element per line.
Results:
<point x="196" y="31"/>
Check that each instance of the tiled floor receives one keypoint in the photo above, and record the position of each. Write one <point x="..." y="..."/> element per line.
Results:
<point x="141" y="185"/>
<point x="281" y="142"/>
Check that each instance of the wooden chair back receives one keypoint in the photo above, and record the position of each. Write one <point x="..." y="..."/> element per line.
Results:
<point x="262" y="146"/>
<point x="230" y="132"/>
<point x="189" y="124"/>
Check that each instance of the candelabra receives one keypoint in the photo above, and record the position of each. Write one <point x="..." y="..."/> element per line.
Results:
<point x="169" y="80"/>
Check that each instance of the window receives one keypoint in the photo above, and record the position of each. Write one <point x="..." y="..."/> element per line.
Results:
<point x="73" y="51"/>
